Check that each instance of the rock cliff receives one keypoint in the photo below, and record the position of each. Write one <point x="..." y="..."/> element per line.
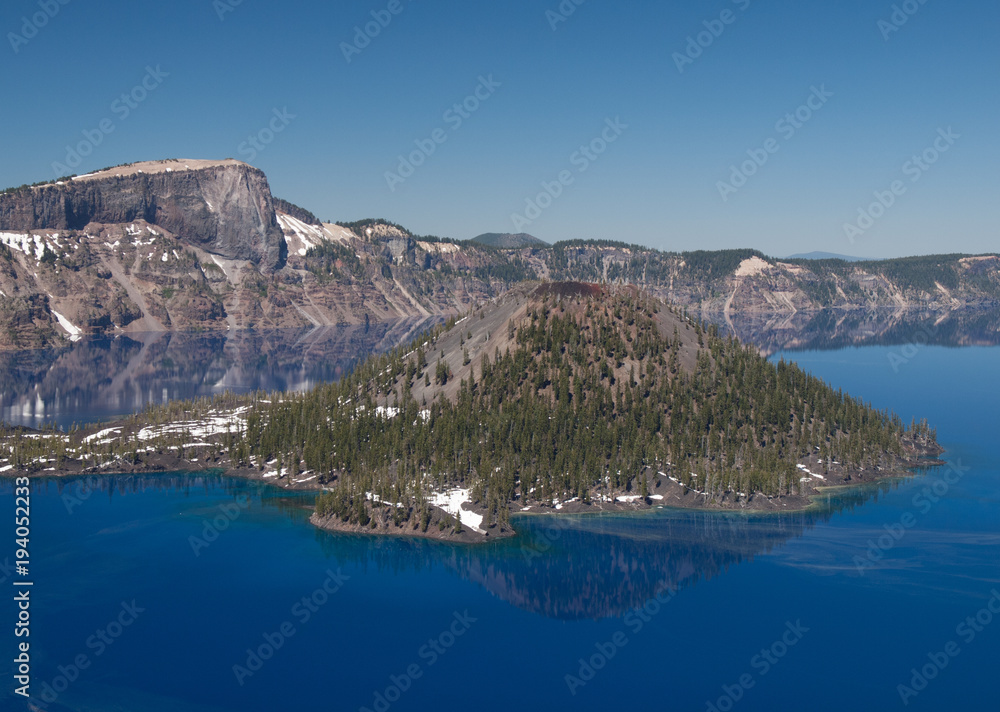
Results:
<point x="223" y="207"/>
<point x="180" y="245"/>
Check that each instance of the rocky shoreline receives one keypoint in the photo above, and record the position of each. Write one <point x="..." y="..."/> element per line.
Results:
<point x="664" y="493"/>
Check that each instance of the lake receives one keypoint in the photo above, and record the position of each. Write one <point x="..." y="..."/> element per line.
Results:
<point x="204" y="593"/>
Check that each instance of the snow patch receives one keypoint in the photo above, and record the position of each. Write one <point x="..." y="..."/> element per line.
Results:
<point x="65" y="323"/>
<point x="628" y="498"/>
<point x="811" y="474"/>
<point x="102" y="435"/>
<point x="305" y="236"/>
<point x="452" y="501"/>
<point x="372" y="497"/>
<point x="214" y="424"/>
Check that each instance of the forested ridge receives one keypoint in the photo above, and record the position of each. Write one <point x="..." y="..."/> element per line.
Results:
<point x="592" y="397"/>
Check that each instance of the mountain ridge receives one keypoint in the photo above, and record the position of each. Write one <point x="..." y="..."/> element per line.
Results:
<point x="189" y="245"/>
<point x="509" y="241"/>
<point x="819" y="255"/>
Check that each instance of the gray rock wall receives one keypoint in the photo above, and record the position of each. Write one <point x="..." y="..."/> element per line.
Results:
<point x="225" y="210"/>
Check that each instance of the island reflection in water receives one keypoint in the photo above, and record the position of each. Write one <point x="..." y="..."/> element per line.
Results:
<point x="569" y="567"/>
<point x="577" y="567"/>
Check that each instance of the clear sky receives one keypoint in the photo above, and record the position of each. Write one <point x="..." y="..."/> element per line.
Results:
<point x="663" y="117"/>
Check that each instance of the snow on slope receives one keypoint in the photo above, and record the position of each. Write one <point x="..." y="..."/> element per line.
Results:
<point x="300" y="236"/>
<point x="217" y="423"/>
<point x="73" y="331"/>
<point x="452" y="501"/>
<point x="29" y="244"/>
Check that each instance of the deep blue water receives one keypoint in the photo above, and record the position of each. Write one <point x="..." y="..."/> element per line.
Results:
<point x="558" y="593"/>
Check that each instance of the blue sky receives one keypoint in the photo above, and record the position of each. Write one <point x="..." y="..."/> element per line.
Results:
<point x="557" y="82"/>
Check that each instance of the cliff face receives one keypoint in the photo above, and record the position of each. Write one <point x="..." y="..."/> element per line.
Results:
<point x="182" y="245"/>
<point x="745" y="281"/>
<point x="225" y="209"/>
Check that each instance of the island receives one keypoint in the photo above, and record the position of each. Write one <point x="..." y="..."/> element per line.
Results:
<point x="554" y="397"/>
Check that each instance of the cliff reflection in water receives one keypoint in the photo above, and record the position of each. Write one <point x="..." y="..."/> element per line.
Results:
<point x="101" y="378"/>
<point x="836" y="329"/>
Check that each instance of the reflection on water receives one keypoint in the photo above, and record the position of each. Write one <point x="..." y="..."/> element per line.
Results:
<point x="835" y="329"/>
<point x="566" y="567"/>
<point x="575" y="567"/>
<point x="74" y="491"/>
<point x="102" y="378"/>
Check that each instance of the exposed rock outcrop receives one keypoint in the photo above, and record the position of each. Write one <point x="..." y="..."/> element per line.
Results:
<point x="224" y="208"/>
